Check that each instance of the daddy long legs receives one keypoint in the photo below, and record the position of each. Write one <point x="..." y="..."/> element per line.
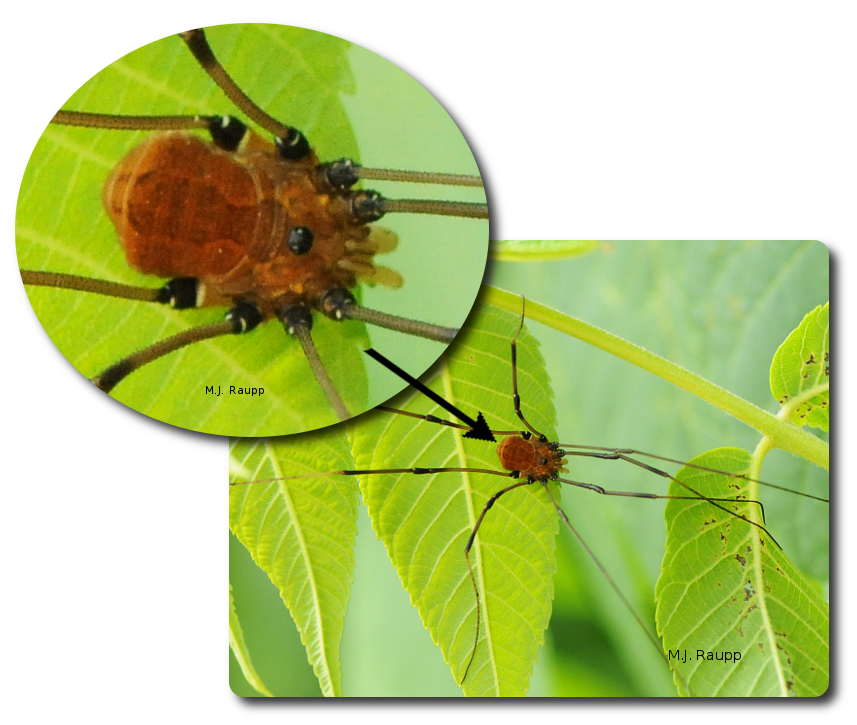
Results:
<point x="408" y="511"/>
<point x="295" y="401"/>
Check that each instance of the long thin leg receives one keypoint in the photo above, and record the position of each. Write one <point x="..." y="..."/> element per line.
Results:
<point x="116" y="373"/>
<point x="516" y="399"/>
<point x="297" y="320"/>
<point x="429" y="418"/>
<point x="130" y="123"/>
<point x="415" y="471"/>
<point x="402" y="324"/>
<point x="339" y="304"/>
<point x="615" y="455"/>
<point x="198" y="45"/>
<point x="416" y="177"/>
<point x="467" y="548"/>
<point x="637" y="494"/>
<point x="371" y="206"/>
<point x="652" y="638"/>
<point x="179" y="293"/>
<point x="697" y="497"/>
<point x="95" y="286"/>
<point x="440" y="208"/>
<point x="623" y="453"/>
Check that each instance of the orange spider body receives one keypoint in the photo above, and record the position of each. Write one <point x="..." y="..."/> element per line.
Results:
<point x="183" y="207"/>
<point x="533" y="458"/>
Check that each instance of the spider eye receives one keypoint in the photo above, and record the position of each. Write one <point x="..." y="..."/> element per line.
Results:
<point x="544" y="461"/>
<point x="300" y="240"/>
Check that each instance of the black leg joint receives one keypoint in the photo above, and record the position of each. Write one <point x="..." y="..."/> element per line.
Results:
<point x="292" y="147"/>
<point x="181" y="293"/>
<point x="367" y="206"/>
<point x="226" y="132"/>
<point x="295" y="316"/>
<point x="526" y="435"/>
<point x="336" y="302"/>
<point x="420" y="471"/>
<point x="244" y="316"/>
<point x="341" y="174"/>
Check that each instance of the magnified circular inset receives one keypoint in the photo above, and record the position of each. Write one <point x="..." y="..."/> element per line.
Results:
<point x="215" y="228"/>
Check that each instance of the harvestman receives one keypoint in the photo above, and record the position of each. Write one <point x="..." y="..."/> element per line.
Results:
<point x="305" y="241"/>
<point x="530" y="456"/>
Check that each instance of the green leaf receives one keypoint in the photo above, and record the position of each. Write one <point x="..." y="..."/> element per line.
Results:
<point x="739" y="618"/>
<point x="301" y="533"/>
<point x="242" y="654"/>
<point x="304" y="78"/>
<point x="425" y="521"/>
<point x="800" y="372"/>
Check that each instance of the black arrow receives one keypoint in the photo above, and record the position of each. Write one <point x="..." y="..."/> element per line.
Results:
<point x="480" y="429"/>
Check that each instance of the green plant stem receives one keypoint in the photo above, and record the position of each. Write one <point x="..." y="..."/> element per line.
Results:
<point x="782" y="433"/>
